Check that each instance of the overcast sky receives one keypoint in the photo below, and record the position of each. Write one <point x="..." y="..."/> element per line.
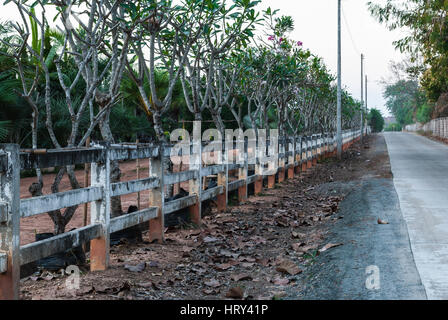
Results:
<point x="316" y="27"/>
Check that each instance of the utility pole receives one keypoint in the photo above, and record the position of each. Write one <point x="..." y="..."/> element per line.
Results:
<point x="366" y="102"/>
<point x="362" y="98"/>
<point x="339" y="99"/>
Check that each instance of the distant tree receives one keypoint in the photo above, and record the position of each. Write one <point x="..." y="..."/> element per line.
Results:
<point x="405" y="97"/>
<point x="376" y="120"/>
<point x="426" y="39"/>
<point x="393" y="127"/>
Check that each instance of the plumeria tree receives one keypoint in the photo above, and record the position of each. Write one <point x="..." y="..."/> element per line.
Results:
<point x="80" y="44"/>
<point x="209" y="76"/>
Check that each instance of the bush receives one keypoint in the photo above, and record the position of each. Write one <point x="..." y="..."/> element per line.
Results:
<point x="424" y="113"/>
<point x="376" y="120"/>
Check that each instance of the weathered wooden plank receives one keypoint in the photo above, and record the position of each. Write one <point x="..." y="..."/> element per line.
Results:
<point x="236" y="184"/>
<point x="211" y="193"/>
<point x="132" y="219"/>
<point x="182" y="203"/>
<point x="127" y="153"/>
<point x="3" y="212"/>
<point x="233" y="166"/>
<point x="207" y="171"/>
<point x="55" y="201"/>
<point x="252" y="178"/>
<point x="178" y="177"/>
<point x="59" y="158"/>
<point x="60" y="243"/>
<point x="3" y="262"/>
<point x="127" y="187"/>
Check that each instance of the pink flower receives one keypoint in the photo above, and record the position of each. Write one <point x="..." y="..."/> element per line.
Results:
<point x="299" y="43"/>
<point x="271" y="38"/>
<point x="281" y="40"/>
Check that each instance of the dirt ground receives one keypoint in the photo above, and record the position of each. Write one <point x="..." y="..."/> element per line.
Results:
<point x="256" y="250"/>
<point x="435" y="138"/>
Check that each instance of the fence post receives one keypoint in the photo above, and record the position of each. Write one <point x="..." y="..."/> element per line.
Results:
<point x="297" y="154"/>
<point x="242" y="174"/>
<point x="318" y="147"/>
<point x="196" y="164"/>
<point x="223" y="179"/>
<point x="271" y="165"/>
<point x="309" y="155"/>
<point x="281" y="160"/>
<point x="291" y="157"/>
<point x="258" y="186"/>
<point x="315" y="149"/>
<point x="157" y="197"/>
<point x="10" y="223"/>
<point x="304" y="153"/>
<point x="100" y="213"/>
<point x="334" y="144"/>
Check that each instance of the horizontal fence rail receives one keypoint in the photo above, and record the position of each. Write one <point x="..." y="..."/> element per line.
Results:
<point x="436" y="127"/>
<point x="294" y="154"/>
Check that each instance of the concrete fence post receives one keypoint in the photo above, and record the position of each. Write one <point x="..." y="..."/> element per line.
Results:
<point x="196" y="184"/>
<point x="445" y="121"/>
<point x="281" y="159"/>
<point x="304" y="153"/>
<point x="223" y="177"/>
<point x="272" y="166"/>
<point x="315" y="149"/>
<point x="10" y="224"/>
<point x="319" y="146"/>
<point x="309" y="153"/>
<point x="292" y="156"/>
<point x="157" y="197"/>
<point x="297" y="154"/>
<point x="258" y="186"/>
<point x="242" y="174"/>
<point x="100" y="213"/>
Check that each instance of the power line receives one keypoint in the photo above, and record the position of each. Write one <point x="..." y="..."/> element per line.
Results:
<point x="355" y="47"/>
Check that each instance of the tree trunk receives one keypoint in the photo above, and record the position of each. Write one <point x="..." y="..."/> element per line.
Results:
<point x="218" y="123"/>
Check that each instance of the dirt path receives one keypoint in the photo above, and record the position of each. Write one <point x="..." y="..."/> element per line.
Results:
<point x="262" y="249"/>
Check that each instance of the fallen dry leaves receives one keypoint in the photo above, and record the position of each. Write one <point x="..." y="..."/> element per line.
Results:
<point x="236" y="249"/>
<point x="382" y="221"/>
<point x="329" y="246"/>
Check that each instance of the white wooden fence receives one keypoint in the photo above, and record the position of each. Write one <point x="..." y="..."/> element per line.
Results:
<point x="294" y="155"/>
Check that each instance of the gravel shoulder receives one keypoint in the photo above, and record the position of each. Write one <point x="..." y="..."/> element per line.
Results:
<point x="341" y="273"/>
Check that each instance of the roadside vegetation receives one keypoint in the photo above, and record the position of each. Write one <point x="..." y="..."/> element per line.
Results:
<point x="119" y="71"/>
<point x="418" y="90"/>
<point x="393" y="127"/>
<point x="376" y="120"/>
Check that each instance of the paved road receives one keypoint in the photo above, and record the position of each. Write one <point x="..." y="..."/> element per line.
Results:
<point x="340" y="273"/>
<point x="420" y="169"/>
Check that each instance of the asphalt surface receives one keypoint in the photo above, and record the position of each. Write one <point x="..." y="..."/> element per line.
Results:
<point x="420" y="170"/>
<point x="345" y="272"/>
